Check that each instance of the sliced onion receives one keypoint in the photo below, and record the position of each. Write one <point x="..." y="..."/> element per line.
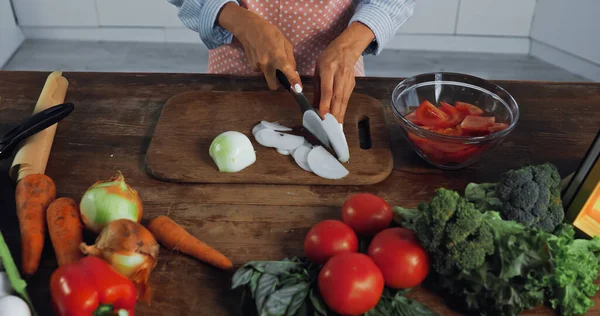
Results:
<point x="257" y="128"/>
<point x="336" y="137"/>
<point x="313" y="123"/>
<point x="278" y="140"/>
<point x="275" y="126"/>
<point x="325" y="165"/>
<point x="284" y="152"/>
<point x="301" y="156"/>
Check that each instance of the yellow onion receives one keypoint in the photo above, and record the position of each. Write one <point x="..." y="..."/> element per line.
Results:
<point x="131" y="249"/>
<point x="106" y="201"/>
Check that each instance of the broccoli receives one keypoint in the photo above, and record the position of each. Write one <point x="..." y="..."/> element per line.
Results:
<point x="453" y="229"/>
<point x="529" y="195"/>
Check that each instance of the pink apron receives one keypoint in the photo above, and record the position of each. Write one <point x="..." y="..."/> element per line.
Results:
<point x="310" y="25"/>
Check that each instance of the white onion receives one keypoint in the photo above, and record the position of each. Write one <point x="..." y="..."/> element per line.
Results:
<point x="314" y="124"/>
<point x="325" y="165"/>
<point x="278" y="140"/>
<point x="275" y="126"/>
<point x="232" y="151"/>
<point x="301" y="156"/>
<point x="336" y="136"/>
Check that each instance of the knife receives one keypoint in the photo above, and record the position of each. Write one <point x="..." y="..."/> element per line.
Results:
<point x="310" y="134"/>
<point x="32" y="125"/>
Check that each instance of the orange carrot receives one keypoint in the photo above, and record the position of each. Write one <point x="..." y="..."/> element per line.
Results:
<point x="64" y="227"/>
<point x="175" y="237"/>
<point x="33" y="195"/>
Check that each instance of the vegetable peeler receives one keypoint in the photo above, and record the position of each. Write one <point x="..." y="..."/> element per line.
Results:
<point x="32" y="125"/>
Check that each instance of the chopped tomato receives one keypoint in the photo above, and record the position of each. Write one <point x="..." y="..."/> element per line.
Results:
<point x="463" y="155"/>
<point x="450" y="131"/>
<point x="467" y="108"/>
<point x="477" y="124"/>
<point x="455" y="116"/>
<point x="429" y="115"/>
<point x="412" y="117"/>
<point x="497" y="127"/>
<point x="452" y="148"/>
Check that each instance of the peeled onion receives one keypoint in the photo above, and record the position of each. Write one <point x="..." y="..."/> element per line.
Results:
<point x="130" y="248"/>
<point x="278" y="140"/>
<point x="336" y="136"/>
<point x="325" y="165"/>
<point x="314" y="124"/>
<point x="106" y="201"/>
<point x="232" y="151"/>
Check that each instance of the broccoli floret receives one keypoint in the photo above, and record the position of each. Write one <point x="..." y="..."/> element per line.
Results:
<point x="451" y="228"/>
<point x="529" y="195"/>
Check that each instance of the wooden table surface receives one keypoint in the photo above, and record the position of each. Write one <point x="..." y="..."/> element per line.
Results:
<point x="113" y="123"/>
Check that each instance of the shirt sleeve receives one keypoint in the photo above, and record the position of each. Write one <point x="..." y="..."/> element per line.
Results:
<point x="201" y="16"/>
<point x="384" y="18"/>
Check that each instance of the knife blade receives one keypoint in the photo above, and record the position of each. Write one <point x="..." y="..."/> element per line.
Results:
<point x="32" y="125"/>
<point x="305" y="106"/>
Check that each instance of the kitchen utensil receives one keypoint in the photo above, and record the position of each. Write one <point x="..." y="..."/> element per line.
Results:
<point x="33" y="125"/>
<point x="190" y="121"/>
<point x="313" y="133"/>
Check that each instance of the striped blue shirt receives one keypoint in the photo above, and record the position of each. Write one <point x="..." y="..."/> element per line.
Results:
<point x="383" y="17"/>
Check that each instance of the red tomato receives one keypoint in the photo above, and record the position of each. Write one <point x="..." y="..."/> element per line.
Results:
<point x="450" y="131"/>
<point x="403" y="262"/>
<point x="455" y="116"/>
<point x="463" y="155"/>
<point x="467" y="108"/>
<point x="366" y="213"/>
<point x="428" y="114"/>
<point x="412" y="117"/>
<point x="473" y="123"/>
<point x="497" y="127"/>
<point x="350" y="283"/>
<point x="328" y="238"/>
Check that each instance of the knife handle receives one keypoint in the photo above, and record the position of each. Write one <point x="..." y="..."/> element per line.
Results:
<point x="32" y="125"/>
<point x="304" y="103"/>
<point x="283" y="80"/>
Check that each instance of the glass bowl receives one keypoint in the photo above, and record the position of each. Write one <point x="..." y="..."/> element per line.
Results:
<point x="439" y="140"/>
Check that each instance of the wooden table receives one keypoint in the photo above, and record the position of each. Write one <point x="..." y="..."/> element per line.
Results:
<point x="113" y="123"/>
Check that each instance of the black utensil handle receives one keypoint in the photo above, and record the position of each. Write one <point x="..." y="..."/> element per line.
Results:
<point x="32" y="125"/>
<point x="283" y="80"/>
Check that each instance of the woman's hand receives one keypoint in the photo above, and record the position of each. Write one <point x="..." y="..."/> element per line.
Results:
<point x="267" y="49"/>
<point x="334" y="72"/>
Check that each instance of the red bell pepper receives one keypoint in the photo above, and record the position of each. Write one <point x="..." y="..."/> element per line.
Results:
<point x="91" y="286"/>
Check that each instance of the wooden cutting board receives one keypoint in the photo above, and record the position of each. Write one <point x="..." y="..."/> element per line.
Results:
<point x="189" y="122"/>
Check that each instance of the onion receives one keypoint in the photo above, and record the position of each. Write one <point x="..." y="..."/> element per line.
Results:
<point x="5" y="287"/>
<point x="130" y="248"/>
<point x="13" y="305"/>
<point x="232" y="151"/>
<point x="324" y="164"/>
<point x="314" y="124"/>
<point x="301" y="156"/>
<point x="336" y="136"/>
<point x="275" y="126"/>
<point x="278" y="140"/>
<point x="284" y="152"/>
<point x="106" y="201"/>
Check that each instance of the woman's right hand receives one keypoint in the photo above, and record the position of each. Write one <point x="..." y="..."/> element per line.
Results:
<point x="267" y="49"/>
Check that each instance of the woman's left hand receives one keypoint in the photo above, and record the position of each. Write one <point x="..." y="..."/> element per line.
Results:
<point x="334" y="72"/>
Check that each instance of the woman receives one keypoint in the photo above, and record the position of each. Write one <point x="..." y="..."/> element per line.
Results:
<point x="321" y="38"/>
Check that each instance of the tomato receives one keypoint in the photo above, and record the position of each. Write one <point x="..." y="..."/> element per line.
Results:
<point x="467" y="108"/>
<point x="328" y="238"/>
<point x="455" y="115"/>
<point x="412" y="117"/>
<point x="350" y="283"/>
<point x="428" y="114"/>
<point x="473" y="123"/>
<point x="402" y="260"/>
<point x="450" y="131"/>
<point x="463" y="155"/>
<point x="366" y="213"/>
<point x="497" y="127"/>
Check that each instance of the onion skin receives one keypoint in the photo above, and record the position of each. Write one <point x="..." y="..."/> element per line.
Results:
<point x="124" y="241"/>
<point x="106" y="201"/>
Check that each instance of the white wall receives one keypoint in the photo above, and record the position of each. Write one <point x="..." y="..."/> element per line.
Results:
<point x="11" y="36"/>
<point x="455" y="25"/>
<point x="567" y="33"/>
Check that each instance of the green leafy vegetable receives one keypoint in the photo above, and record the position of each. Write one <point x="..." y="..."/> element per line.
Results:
<point x="525" y="268"/>
<point x="397" y="304"/>
<point x="529" y="195"/>
<point x="289" y="287"/>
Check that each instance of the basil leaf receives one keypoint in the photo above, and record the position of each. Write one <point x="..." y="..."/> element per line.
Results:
<point x="398" y="305"/>
<point x="281" y="300"/>
<point x="318" y="304"/>
<point x="274" y="267"/>
<point x="241" y="277"/>
<point x="298" y="299"/>
<point x="254" y="282"/>
<point x="266" y="286"/>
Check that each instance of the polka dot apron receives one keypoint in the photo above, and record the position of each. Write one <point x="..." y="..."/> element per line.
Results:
<point x="310" y="25"/>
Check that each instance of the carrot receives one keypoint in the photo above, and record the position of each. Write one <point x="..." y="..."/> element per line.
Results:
<point x="33" y="195"/>
<point x="175" y="237"/>
<point x="64" y="226"/>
